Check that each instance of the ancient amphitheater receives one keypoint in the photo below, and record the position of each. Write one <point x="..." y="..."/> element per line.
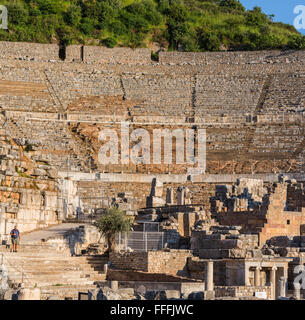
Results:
<point x="54" y="101"/>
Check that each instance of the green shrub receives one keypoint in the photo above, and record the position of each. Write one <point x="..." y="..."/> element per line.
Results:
<point x="256" y="17"/>
<point x="87" y="26"/>
<point x="109" y="42"/>
<point x="296" y="42"/>
<point x="232" y="4"/>
<point x="209" y="41"/>
<point x="17" y="14"/>
<point x="73" y="16"/>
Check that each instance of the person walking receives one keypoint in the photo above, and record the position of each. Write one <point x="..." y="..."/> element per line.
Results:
<point x="15" y="238"/>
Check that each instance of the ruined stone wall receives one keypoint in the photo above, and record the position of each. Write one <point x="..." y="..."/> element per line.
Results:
<point x="127" y="56"/>
<point x="76" y="53"/>
<point x="285" y="224"/>
<point x="241" y="291"/>
<point x="140" y="276"/>
<point x="29" y="51"/>
<point x="196" y="269"/>
<point x="95" y="193"/>
<point x="103" y="55"/>
<point x="295" y="197"/>
<point x="271" y="220"/>
<point x="236" y="58"/>
<point x="129" y="261"/>
<point x="280" y="222"/>
<point x="250" y="221"/>
<point x="171" y="262"/>
<point x="219" y="241"/>
<point x="28" y="191"/>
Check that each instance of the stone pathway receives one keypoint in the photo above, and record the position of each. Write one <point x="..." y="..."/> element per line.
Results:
<point x="55" y="231"/>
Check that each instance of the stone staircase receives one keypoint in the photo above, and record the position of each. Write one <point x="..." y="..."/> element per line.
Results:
<point x="56" y="273"/>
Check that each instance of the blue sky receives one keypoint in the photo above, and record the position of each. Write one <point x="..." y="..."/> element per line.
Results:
<point x="282" y="9"/>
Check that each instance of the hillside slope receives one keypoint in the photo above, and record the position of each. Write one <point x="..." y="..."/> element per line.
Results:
<point x="187" y="25"/>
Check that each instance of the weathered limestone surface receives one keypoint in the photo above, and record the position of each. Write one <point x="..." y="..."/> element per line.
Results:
<point x="235" y="58"/>
<point x="262" y="211"/>
<point x="55" y="101"/>
<point x="55" y="104"/>
<point x="28" y="192"/>
<point x="171" y="262"/>
<point x="158" y="93"/>
<point x="49" y="268"/>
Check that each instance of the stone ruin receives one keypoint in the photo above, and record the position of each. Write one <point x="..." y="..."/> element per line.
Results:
<point x="96" y="88"/>
<point x="51" y="113"/>
<point x="28" y="191"/>
<point x="246" y="195"/>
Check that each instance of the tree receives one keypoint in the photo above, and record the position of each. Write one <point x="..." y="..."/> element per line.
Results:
<point x="177" y="26"/>
<point x="296" y="42"/>
<point x="256" y="17"/>
<point x="17" y="13"/>
<point x="112" y="222"/>
<point x="209" y="40"/>
<point x="73" y="16"/>
<point x="232" y="4"/>
<point x="109" y="42"/>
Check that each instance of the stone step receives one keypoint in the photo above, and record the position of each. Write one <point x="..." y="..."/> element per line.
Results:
<point x="71" y="279"/>
<point x="57" y="272"/>
<point x="52" y="257"/>
<point x="37" y="253"/>
<point x="60" y="281"/>
<point x="55" y="268"/>
<point x="60" y="264"/>
<point x="51" y="273"/>
<point x="58" y="275"/>
<point x="57" y="279"/>
<point x="44" y="284"/>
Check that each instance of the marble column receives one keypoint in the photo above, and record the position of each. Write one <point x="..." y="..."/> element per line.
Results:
<point x="282" y="287"/>
<point x="273" y="282"/>
<point x="257" y="277"/>
<point x="114" y="285"/>
<point x="247" y="278"/>
<point x="286" y="278"/>
<point x="297" y="291"/>
<point x="209" y="276"/>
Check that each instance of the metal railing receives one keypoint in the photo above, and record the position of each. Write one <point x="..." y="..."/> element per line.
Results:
<point x="140" y="241"/>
